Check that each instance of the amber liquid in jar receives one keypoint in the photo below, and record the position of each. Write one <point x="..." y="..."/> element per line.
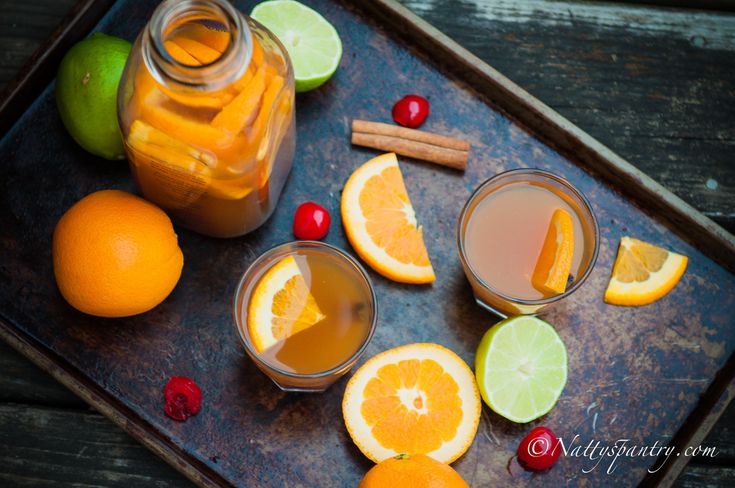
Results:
<point x="206" y="111"/>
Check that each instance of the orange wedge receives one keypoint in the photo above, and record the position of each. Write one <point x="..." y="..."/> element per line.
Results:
<point x="643" y="273"/>
<point x="414" y="399"/>
<point x="204" y="34"/>
<point x="266" y="107"/>
<point x="380" y="222"/>
<point x="243" y="108"/>
<point x="201" y="52"/>
<point x="170" y="122"/>
<point x="258" y="56"/>
<point x="143" y="134"/>
<point x="281" y="305"/>
<point x="555" y="261"/>
<point x="180" y="54"/>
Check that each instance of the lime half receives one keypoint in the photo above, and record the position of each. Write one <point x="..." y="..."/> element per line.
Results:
<point x="521" y="368"/>
<point x="312" y="43"/>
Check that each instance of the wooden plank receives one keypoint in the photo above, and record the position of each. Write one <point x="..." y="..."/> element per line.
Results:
<point x="703" y="476"/>
<point x="654" y="85"/>
<point x="24" y="26"/>
<point x="23" y="382"/>
<point x="723" y="5"/>
<point x="43" y="447"/>
<point x="722" y="437"/>
<point x="41" y="67"/>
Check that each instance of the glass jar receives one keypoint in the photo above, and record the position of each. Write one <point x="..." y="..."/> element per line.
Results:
<point x="206" y="109"/>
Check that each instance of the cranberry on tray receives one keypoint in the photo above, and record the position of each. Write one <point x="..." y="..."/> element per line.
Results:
<point x="311" y="221"/>
<point x="183" y="398"/>
<point x="539" y="450"/>
<point x="411" y="111"/>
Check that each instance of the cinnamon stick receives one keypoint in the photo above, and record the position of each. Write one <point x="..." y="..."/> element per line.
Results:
<point x="435" y="148"/>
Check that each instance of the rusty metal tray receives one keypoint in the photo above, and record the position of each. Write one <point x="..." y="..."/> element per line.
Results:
<point x="657" y="373"/>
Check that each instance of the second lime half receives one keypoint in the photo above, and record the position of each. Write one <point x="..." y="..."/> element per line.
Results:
<point x="521" y="368"/>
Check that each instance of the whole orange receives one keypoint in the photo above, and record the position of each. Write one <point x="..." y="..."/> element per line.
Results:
<point x="415" y="470"/>
<point x="115" y="254"/>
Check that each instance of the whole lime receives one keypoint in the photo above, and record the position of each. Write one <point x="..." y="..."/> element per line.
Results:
<point x="86" y="93"/>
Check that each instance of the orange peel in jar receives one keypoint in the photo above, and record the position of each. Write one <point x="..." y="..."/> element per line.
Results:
<point x="242" y="109"/>
<point x="203" y="34"/>
<point x="269" y="97"/>
<point x="142" y="134"/>
<point x="201" y="52"/>
<point x="180" y="54"/>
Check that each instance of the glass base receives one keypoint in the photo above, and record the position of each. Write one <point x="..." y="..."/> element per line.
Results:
<point x="490" y="309"/>
<point x="319" y="386"/>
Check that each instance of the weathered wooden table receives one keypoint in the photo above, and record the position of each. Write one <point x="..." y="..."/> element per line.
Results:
<point x="657" y="85"/>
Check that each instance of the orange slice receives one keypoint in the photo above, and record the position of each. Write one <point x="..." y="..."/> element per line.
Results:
<point x="414" y="399"/>
<point x="281" y="305"/>
<point x="243" y="108"/>
<point x="170" y="122"/>
<point x="380" y="222"/>
<point x="180" y="54"/>
<point x="266" y="107"/>
<point x="201" y="52"/>
<point x="204" y="34"/>
<point x="258" y="56"/>
<point x="188" y="161"/>
<point x="643" y="273"/>
<point x="142" y="133"/>
<point x="555" y="261"/>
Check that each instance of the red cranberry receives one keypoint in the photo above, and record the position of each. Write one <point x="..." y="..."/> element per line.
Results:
<point x="411" y="111"/>
<point x="311" y="221"/>
<point x="183" y="398"/>
<point x="539" y="450"/>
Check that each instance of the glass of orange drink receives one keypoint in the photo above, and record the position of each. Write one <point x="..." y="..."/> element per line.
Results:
<point x="305" y="312"/>
<point x="206" y="109"/>
<point x="527" y="238"/>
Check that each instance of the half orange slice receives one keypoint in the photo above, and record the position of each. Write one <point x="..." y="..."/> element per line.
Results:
<point x="281" y="305"/>
<point x="380" y="222"/>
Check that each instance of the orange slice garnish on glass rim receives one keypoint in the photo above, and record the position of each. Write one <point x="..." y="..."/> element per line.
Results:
<point x="643" y="273"/>
<point x="555" y="261"/>
<point x="380" y="222"/>
<point x="281" y="305"/>
<point x="415" y="399"/>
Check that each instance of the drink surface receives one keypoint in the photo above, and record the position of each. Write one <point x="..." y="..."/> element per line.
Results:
<point x="506" y="232"/>
<point x="344" y="300"/>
